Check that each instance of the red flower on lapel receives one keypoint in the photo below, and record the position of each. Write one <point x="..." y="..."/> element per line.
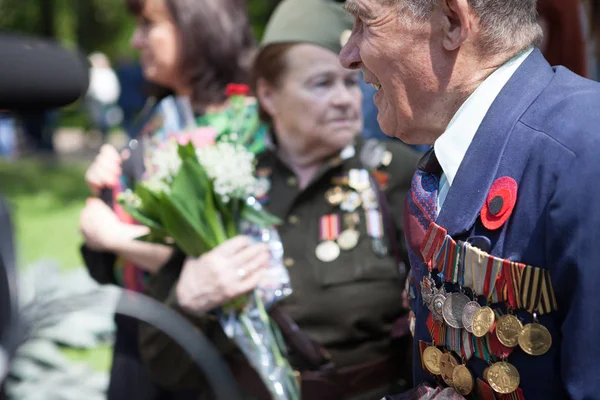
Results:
<point x="500" y="203"/>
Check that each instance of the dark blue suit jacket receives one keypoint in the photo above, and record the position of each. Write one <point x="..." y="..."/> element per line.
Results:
<point x="543" y="130"/>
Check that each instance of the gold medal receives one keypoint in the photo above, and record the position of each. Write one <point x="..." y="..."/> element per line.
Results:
<point x="447" y="365"/>
<point x="508" y="329"/>
<point x="504" y="378"/>
<point x="327" y="251"/>
<point x="348" y="239"/>
<point x="335" y="196"/>
<point x="483" y="320"/>
<point x="432" y="357"/>
<point x="463" y="380"/>
<point x="535" y="339"/>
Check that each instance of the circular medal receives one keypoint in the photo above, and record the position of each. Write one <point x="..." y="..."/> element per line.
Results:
<point x="508" y="328"/>
<point x="463" y="380"/>
<point x="432" y="357"/>
<point x="468" y="313"/>
<point x="438" y="307"/>
<point x="535" y="339"/>
<point x="351" y="201"/>
<point x="453" y="309"/>
<point x="504" y="378"/>
<point x="348" y="239"/>
<point x="369" y="199"/>
<point x="447" y="365"/>
<point x="378" y="247"/>
<point x="483" y="320"/>
<point x="327" y="251"/>
<point x="335" y="196"/>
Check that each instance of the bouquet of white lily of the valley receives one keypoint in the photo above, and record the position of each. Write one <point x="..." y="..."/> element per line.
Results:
<point x="196" y="199"/>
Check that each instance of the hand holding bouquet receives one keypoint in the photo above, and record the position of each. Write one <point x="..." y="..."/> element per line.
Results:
<point x="197" y="198"/>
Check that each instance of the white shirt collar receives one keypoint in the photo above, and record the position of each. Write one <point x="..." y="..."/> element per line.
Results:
<point x="451" y="147"/>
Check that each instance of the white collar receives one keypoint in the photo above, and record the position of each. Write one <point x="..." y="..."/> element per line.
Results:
<point x="451" y="147"/>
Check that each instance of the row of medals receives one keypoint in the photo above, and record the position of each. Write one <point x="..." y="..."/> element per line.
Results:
<point x="458" y="311"/>
<point x="350" y="201"/>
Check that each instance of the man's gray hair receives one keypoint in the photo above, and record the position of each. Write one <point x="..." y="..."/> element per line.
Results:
<point x="506" y="24"/>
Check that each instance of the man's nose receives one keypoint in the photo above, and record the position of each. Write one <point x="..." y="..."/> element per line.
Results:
<point x="350" y="55"/>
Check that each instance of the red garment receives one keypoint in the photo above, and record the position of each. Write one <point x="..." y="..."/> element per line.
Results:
<point x="565" y="43"/>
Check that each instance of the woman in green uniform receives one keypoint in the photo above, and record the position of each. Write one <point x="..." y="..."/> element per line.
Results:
<point x="340" y="198"/>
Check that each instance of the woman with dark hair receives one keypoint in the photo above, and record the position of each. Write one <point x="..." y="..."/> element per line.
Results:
<point x="193" y="48"/>
<point x="340" y="198"/>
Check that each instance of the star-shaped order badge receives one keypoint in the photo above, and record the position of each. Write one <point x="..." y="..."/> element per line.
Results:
<point x="500" y="203"/>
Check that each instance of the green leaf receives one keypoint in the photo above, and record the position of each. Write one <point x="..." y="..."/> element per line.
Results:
<point x="156" y="237"/>
<point x="150" y="203"/>
<point x="261" y="218"/>
<point x="141" y="217"/>
<point x="181" y="228"/>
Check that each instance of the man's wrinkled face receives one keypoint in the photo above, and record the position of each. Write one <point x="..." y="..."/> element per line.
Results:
<point x="393" y="49"/>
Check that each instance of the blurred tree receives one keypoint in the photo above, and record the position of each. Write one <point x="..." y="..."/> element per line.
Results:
<point x="93" y="25"/>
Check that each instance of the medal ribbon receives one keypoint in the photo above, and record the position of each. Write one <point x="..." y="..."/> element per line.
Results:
<point x="516" y="395"/>
<point x="453" y="339"/>
<point x="450" y="260"/>
<point x="484" y="391"/>
<point x="548" y="299"/>
<point x="329" y="227"/>
<point x="438" y="261"/>
<point x="531" y="288"/>
<point x="466" y="348"/>
<point x="437" y="331"/>
<point x="481" y="347"/>
<point x="433" y="241"/>
<point x="374" y="224"/>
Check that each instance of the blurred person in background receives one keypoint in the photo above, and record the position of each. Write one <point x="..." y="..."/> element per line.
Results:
<point x="194" y="48"/>
<point x="132" y="98"/>
<point x="347" y="288"/>
<point x="103" y="94"/>
<point x="591" y="20"/>
<point x="563" y="42"/>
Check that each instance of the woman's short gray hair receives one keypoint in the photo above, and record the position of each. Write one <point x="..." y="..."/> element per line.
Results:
<point x="506" y="24"/>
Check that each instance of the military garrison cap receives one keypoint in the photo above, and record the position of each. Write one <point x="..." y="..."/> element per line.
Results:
<point x="320" y="22"/>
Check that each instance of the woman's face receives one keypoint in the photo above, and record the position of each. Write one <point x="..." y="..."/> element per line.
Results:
<point x="157" y="37"/>
<point x="316" y="107"/>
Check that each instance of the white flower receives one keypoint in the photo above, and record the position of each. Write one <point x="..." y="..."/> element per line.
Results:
<point x="230" y="167"/>
<point x="164" y="162"/>
<point x="131" y="199"/>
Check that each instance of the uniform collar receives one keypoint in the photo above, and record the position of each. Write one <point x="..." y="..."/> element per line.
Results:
<point x="451" y="147"/>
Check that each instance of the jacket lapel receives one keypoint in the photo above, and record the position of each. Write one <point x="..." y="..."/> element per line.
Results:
<point x="479" y="168"/>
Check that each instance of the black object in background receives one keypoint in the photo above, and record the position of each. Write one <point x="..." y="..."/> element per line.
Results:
<point x="39" y="74"/>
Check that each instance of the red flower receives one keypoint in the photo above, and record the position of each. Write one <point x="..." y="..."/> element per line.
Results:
<point x="237" y="89"/>
<point x="500" y="203"/>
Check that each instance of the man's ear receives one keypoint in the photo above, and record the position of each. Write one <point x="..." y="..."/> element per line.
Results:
<point x="456" y="23"/>
<point x="265" y="93"/>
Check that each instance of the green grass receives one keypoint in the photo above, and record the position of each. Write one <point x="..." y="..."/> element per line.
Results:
<point x="46" y="198"/>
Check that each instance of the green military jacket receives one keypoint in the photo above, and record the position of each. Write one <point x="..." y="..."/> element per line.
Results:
<point x="349" y="304"/>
